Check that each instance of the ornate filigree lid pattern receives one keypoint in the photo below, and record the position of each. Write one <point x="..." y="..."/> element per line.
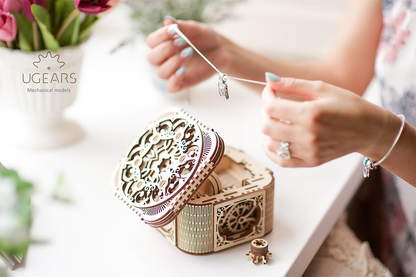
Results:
<point x="163" y="168"/>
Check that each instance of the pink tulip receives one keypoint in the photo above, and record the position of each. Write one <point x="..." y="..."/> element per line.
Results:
<point x="11" y="5"/>
<point x="92" y="7"/>
<point x="26" y="4"/>
<point x="8" y="26"/>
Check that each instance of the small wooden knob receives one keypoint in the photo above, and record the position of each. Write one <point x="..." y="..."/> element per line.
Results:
<point x="259" y="251"/>
<point x="259" y="247"/>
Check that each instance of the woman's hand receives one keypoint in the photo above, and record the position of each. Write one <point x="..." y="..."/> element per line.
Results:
<point x="332" y="123"/>
<point x="177" y="61"/>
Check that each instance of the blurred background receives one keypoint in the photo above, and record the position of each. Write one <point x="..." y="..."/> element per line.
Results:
<point x="284" y="28"/>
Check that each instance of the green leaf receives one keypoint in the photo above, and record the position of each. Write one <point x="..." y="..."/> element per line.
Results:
<point x="22" y="213"/>
<point x="59" y="7"/>
<point x="24" y="186"/>
<point x="86" y="27"/>
<point x="42" y="15"/>
<point x="8" y="172"/>
<point x="71" y="34"/>
<point x="50" y="6"/>
<point x="58" y="190"/>
<point x="16" y="249"/>
<point x="67" y="10"/>
<point x="45" y="25"/>
<point x="68" y="31"/>
<point x="89" y="20"/>
<point x="25" y="32"/>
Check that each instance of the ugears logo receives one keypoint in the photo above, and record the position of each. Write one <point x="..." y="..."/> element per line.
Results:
<point x="49" y="72"/>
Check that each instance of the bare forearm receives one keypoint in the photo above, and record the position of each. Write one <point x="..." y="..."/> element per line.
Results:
<point x="349" y="63"/>
<point x="402" y="159"/>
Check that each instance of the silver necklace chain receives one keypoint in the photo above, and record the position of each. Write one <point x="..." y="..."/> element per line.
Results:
<point x="223" y="77"/>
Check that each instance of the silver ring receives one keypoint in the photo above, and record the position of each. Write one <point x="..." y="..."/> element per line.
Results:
<point x="283" y="151"/>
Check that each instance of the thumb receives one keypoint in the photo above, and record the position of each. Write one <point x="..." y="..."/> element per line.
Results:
<point x="295" y="89"/>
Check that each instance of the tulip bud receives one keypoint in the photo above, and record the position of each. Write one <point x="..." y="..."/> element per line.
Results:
<point x="92" y="7"/>
<point x="8" y="26"/>
<point x="11" y="6"/>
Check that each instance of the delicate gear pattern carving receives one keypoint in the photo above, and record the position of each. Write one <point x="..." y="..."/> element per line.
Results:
<point x="242" y="218"/>
<point x="161" y="162"/>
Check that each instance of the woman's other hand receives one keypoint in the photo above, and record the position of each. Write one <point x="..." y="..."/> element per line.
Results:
<point x="331" y="123"/>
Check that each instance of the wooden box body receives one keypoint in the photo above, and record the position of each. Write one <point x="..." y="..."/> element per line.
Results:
<point x="240" y="212"/>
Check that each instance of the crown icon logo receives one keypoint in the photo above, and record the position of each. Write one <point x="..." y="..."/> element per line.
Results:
<point x="50" y="61"/>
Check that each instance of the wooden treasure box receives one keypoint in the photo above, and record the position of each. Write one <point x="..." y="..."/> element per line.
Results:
<point x="204" y="197"/>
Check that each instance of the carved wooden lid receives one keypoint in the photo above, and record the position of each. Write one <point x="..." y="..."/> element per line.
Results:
<point x="166" y="165"/>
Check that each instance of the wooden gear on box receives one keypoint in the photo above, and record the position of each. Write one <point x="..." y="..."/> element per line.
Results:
<point x="178" y="177"/>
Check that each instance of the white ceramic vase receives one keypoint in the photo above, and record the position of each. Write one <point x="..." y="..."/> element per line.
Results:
<point x="39" y="86"/>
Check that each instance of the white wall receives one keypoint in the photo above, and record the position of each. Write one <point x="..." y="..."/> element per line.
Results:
<point x="285" y="28"/>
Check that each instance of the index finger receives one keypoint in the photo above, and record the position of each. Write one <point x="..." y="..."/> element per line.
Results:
<point x="278" y="108"/>
<point x="158" y="36"/>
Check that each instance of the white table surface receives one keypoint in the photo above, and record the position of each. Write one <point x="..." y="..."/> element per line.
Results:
<point x="96" y="235"/>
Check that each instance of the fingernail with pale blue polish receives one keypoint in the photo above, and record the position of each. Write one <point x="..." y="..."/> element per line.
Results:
<point x="178" y="41"/>
<point x="170" y="17"/>
<point x="180" y="71"/>
<point x="186" y="52"/>
<point x="172" y="29"/>
<point x="272" y="77"/>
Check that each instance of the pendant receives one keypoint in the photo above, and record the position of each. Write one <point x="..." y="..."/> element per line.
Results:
<point x="222" y="86"/>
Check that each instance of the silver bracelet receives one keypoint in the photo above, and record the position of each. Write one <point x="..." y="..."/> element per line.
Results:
<point x="371" y="165"/>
